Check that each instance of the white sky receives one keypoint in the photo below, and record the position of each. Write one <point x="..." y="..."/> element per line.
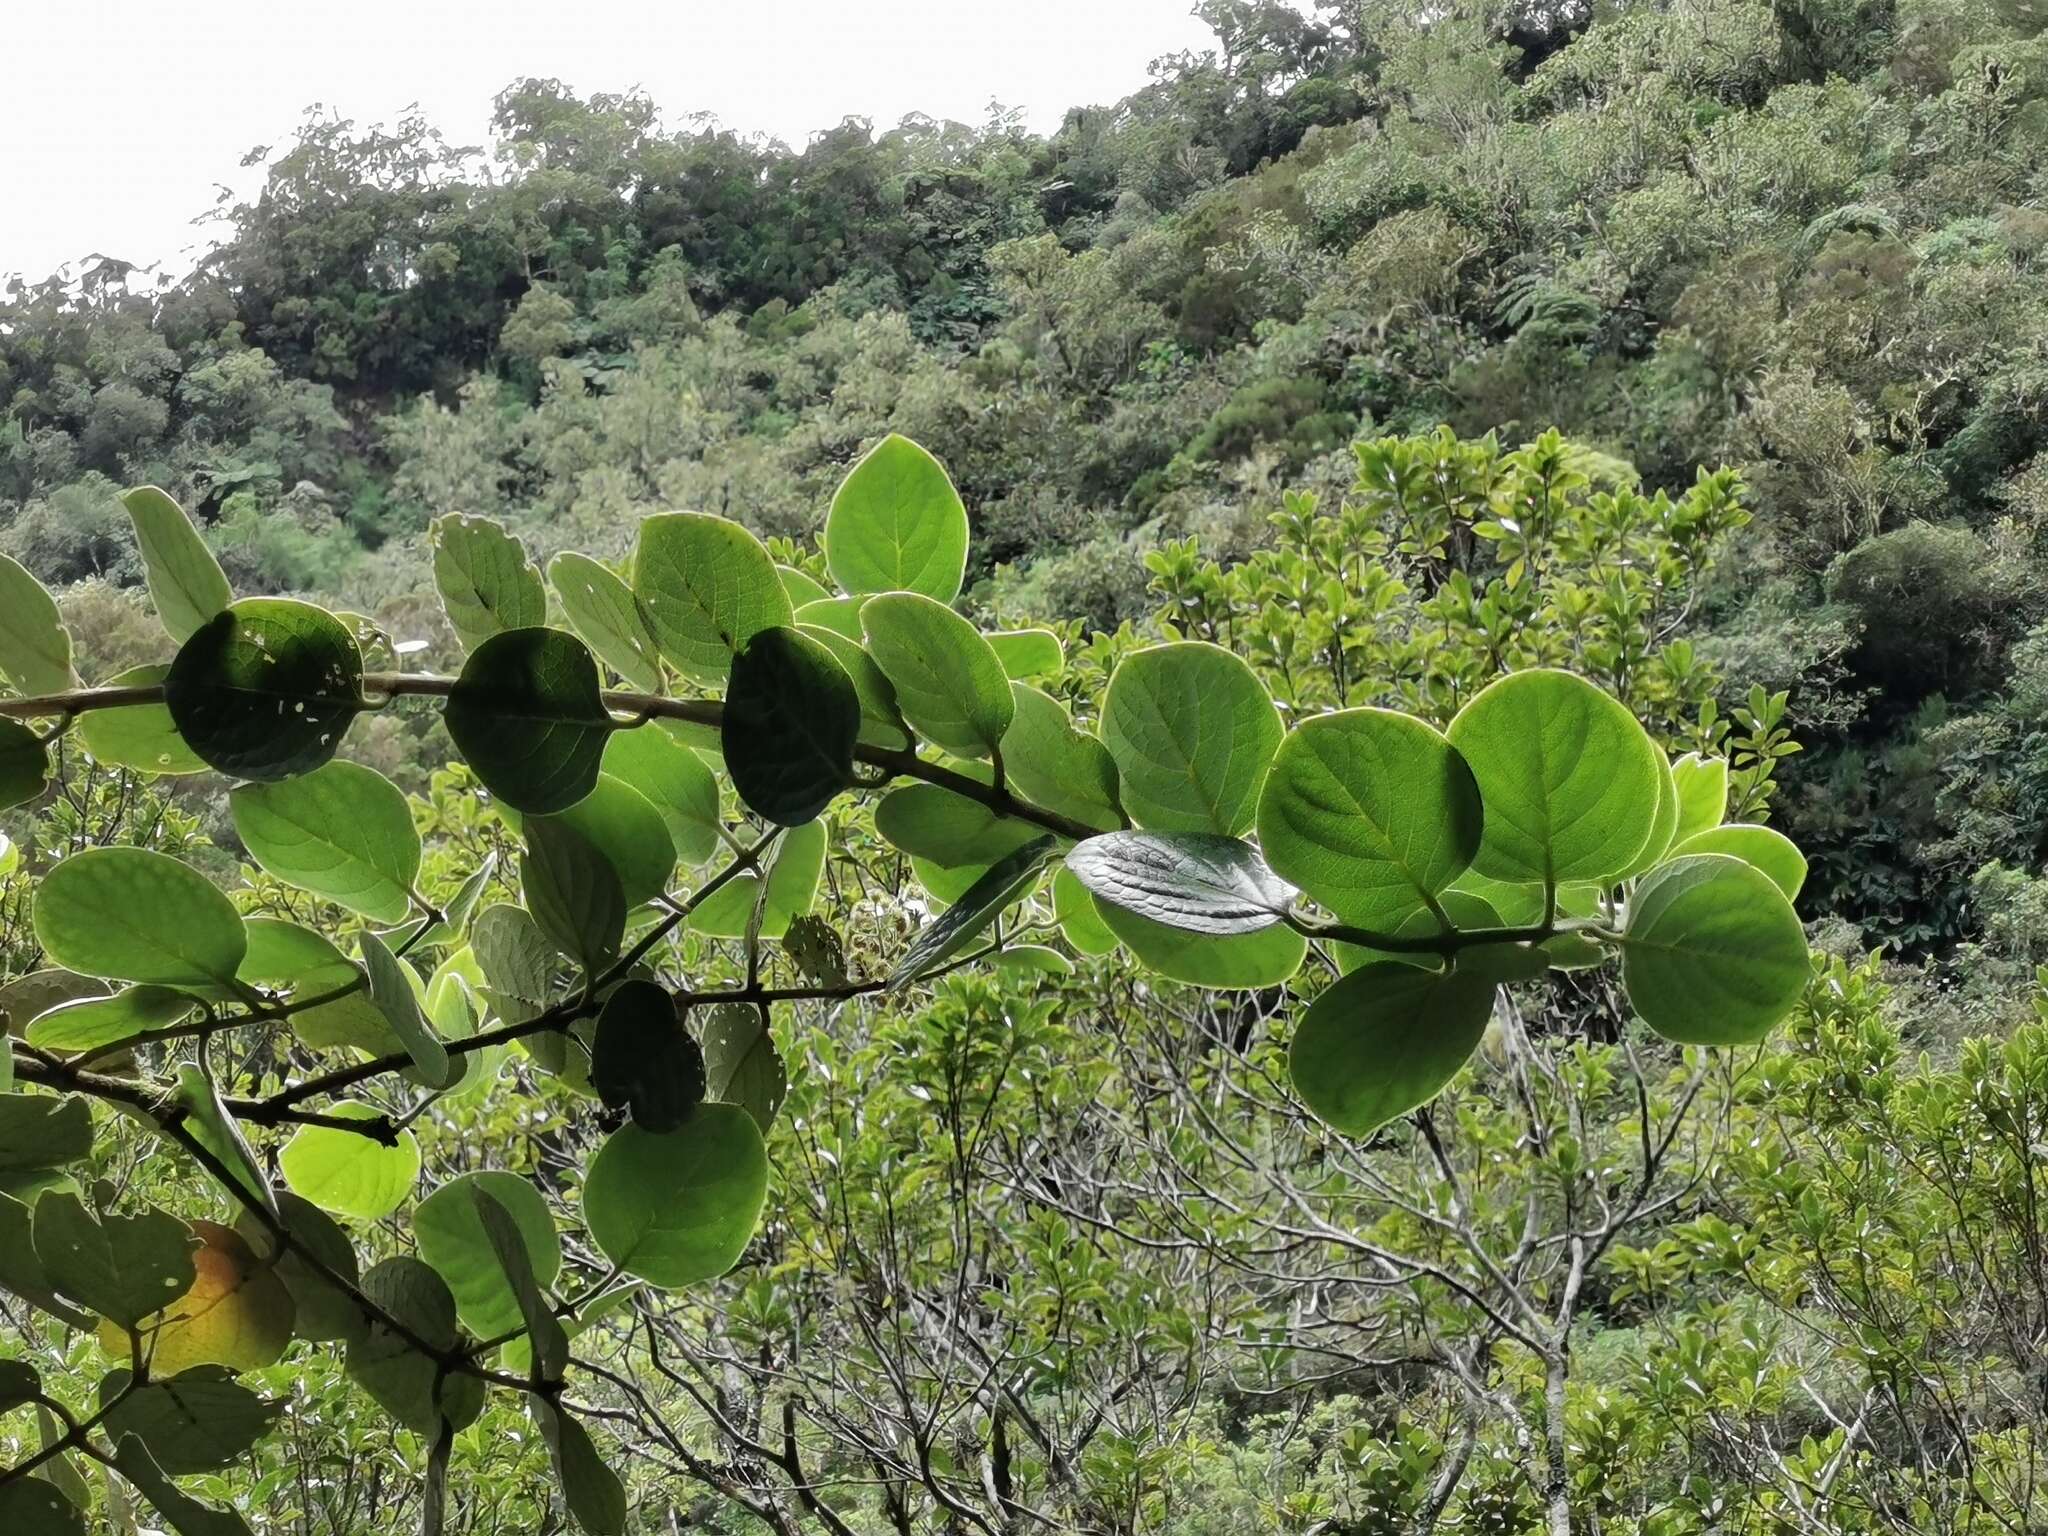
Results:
<point x="118" y="117"/>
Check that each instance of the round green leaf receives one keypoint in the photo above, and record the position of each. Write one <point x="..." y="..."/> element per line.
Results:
<point x="1080" y="919"/>
<point x="709" y="587"/>
<point x="1713" y="953"/>
<point x="1769" y="850"/>
<point x="1194" y="881"/>
<point x="1385" y="1040"/>
<point x="611" y="619"/>
<point x="33" y="1506"/>
<point x="198" y="1420"/>
<point x="397" y="992"/>
<point x="528" y="715"/>
<point x="929" y="822"/>
<point x="741" y="1064"/>
<point x="949" y="684"/>
<point x="1192" y="730"/>
<point x="1567" y="777"/>
<point x="623" y="825"/>
<point x="266" y="689"/>
<point x="1057" y="766"/>
<point x="452" y="1238"/>
<point x="24" y="764"/>
<point x="680" y="1207"/>
<point x="791" y="719"/>
<point x="138" y="736"/>
<point x="897" y="525"/>
<point x="349" y="1174"/>
<point x="125" y="1268"/>
<point x="286" y="954"/>
<point x="133" y="915"/>
<point x="674" y="781"/>
<point x="1370" y="812"/>
<point x="1702" y="784"/>
<point x="487" y="584"/>
<point x="1229" y="961"/>
<point x="343" y="832"/>
<point x="591" y="1489"/>
<point x="1032" y="960"/>
<point x="40" y="1130"/>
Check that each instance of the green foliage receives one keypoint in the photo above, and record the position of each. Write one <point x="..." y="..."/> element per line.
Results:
<point x="621" y="885"/>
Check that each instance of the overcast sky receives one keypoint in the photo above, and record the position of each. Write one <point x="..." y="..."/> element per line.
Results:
<point x="118" y="117"/>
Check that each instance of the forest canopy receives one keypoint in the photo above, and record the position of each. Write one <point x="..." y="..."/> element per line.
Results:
<point x="1315" y="807"/>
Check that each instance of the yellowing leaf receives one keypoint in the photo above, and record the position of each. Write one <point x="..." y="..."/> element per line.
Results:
<point x="237" y="1314"/>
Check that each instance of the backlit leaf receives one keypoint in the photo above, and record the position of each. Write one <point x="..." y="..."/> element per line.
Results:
<point x="1567" y="777"/>
<point x="897" y="525"/>
<point x="709" y="587"/>
<point x="1385" y="1040"/>
<point x="185" y="581"/>
<point x="487" y="584"/>
<point x="678" y="1208"/>
<point x="343" y="832"/>
<point x="133" y="915"/>
<point x="949" y="684"/>
<point x="1372" y="813"/>
<point x="1192" y="730"/>
<point x="1713" y="953"/>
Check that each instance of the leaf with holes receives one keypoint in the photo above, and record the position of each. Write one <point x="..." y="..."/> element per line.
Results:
<point x="266" y="689"/>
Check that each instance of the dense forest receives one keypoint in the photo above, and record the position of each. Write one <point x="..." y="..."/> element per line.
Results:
<point x="1699" y="348"/>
